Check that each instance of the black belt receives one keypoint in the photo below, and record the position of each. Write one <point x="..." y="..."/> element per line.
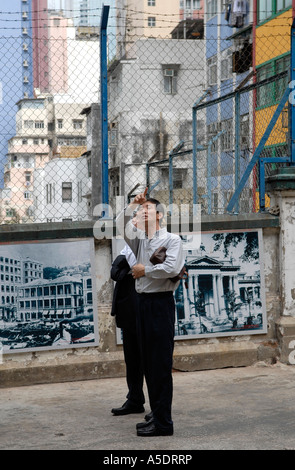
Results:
<point x="157" y="294"/>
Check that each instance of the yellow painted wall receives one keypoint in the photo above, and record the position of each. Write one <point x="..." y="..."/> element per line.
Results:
<point x="272" y="40"/>
<point x="263" y="117"/>
<point x="273" y="37"/>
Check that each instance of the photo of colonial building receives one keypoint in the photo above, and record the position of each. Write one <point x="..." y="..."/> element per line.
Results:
<point x="48" y="300"/>
<point x="222" y="295"/>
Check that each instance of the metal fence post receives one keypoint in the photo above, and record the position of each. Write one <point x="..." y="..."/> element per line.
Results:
<point x="195" y="181"/>
<point x="170" y="179"/>
<point x="237" y="143"/>
<point x="104" y="105"/>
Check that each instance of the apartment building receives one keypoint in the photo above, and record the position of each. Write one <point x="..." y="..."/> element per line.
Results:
<point x="144" y="19"/>
<point x="45" y="130"/>
<point x="229" y="42"/>
<point x="272" y="56"/>
<point x="14" y="272"/>
<point x="59" y="298"/>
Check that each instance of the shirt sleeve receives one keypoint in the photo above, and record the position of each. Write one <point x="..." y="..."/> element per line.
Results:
<point x="173" y="263"/>
<point x="129" y="232"/>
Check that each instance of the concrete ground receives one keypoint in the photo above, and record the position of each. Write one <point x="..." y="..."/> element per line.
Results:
<point x="250" y="408"/>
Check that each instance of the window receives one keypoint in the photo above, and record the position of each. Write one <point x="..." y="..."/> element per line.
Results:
<point x="282" y="4"/>
<point x="226" y="138"/>
<point x="170" y="79"/>
<point x="66" y="192"/>
<point x="151" y="21"/>
<point x="27" y="195"/>
<point x="272" y="92"/>
<point x="267" y="8"/>
<point x="212" y="130"/>
<point x="39" y="124"/>
<point x="191" y="4"/>
<point x="80" y="191"/>
<point x="49" y="193"/>
<point x="212" y="7"/>
<point x="151" y="3"/>
<point x="212" y="70"/>
<point x="113" y="134"/>
<point x="59" y="123"/>
<point x="226" y="65"/>
<point x="28" y="124"/>
<point x="77" y="123"/>
<point x="10" y="212"/>
<point x="244" y="132"/>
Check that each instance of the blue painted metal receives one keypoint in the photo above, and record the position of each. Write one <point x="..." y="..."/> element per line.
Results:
<point x="195" y="145"/>
<point x="237" y="143"/>
<point x="258" y="151"/>
<point x="104" y="107"/>
<point x="172" y="153"/>
<point x="170" y="179"/>
<point x="261" y="184"/>
<point x="154" y="186"/>
<point x="209" y="153"/>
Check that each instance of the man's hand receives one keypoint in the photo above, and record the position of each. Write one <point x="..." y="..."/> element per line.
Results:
<point x="140" y="198"/>
<point x="138" y="271"/>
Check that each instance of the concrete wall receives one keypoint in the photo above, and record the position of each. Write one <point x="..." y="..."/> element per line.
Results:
<point x="106" y="360"/>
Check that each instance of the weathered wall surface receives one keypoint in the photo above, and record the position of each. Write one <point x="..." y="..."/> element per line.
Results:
<point x="106" y="360"/>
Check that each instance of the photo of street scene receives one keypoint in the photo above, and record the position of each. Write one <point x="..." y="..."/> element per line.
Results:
<point x="224" y="292"/>
<point x="47" y="296"/>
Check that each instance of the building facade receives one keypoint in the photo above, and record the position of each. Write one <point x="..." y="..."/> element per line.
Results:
<point x="14" y="272"/>
<point x="150" y="106"/>
<point x="144" y="19"/>
<point x="60" y="298"/>
<point x="45" y="130"/>
<point x="228" y="33"/>
<point x="272" y="55"/>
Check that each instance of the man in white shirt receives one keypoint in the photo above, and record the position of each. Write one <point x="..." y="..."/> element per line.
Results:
<point x="156" y="308"/>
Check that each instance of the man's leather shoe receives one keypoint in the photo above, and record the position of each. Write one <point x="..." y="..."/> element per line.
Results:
<point x="127" y="409"/>
<point x="149" y="416"/>
<point x="151" y="430"/>
<point x="144" y="423"/>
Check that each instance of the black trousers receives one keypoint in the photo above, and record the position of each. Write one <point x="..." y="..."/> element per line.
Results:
<point x="156" y="329"/>
<point x="134" y="368"/>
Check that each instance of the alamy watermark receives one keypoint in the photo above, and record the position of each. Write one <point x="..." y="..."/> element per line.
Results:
<point x="183" y="218"/>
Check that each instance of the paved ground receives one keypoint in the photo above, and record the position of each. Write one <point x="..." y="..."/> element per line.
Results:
<point x="250" y="408"/>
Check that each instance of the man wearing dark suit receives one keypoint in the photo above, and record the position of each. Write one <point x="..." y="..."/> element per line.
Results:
<point x="125" y="309"/>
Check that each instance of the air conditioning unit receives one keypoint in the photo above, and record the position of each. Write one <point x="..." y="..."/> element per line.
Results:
<point x="26" y="94"/>
<point x="25" y="31"/>
<point x="26" y="80"/>
<point x="169" y="72"/>
<point x="25" y="63"/>
<point x="25" y="47"/>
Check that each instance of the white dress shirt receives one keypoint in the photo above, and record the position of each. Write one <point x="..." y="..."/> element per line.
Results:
<point x="157" y="276"/>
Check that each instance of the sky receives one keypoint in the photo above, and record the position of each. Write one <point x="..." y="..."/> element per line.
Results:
<point x="62" y="253"/>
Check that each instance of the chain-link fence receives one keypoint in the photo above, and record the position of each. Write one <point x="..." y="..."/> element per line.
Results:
<point x="180" y="119"/>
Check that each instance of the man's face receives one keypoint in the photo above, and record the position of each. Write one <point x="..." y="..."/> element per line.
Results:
<point x="148" y="213"/>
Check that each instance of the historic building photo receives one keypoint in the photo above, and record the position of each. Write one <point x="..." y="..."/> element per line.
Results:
<point x="223" y="294"/>
<point x="47" y="298"/>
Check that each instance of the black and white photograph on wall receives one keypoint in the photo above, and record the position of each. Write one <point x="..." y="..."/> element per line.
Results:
<point x="47" y="295"/>
<point x="224" y="294"/>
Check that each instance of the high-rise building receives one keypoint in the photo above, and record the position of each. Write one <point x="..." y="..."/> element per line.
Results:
<point x="11" y="74"/>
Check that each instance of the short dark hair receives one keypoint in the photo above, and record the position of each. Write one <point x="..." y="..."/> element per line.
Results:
<point x="159" y="206"/>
